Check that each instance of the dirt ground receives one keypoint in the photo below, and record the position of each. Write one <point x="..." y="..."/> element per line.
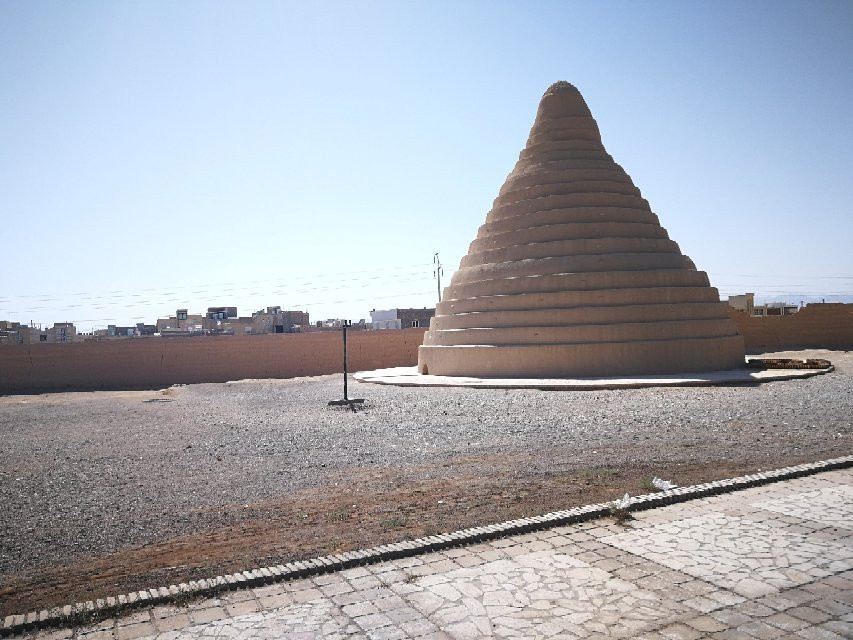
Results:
<point x="380" y="504"/>
<point x="322" y="521"/>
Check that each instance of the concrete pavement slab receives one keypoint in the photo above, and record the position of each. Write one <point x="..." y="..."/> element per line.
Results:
<point x="409" y="377"/>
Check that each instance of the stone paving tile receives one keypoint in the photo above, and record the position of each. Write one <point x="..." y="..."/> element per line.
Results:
<point x="824" y="505"/>
<point x="841" y="627"/>
<point x="133" y="631"/>
<point x="173" y="622"/>
<point x="100" y="634"/>
<point x="538" y="595"/>
<point x="240" y="608"/>
<point x="134" y="618"/>
<point x="318" y="619"/>
<point x="760" y="629"/>
<point x="786" y="622"/>
<point x="818" y="633"/>
<point x="275" y="601"/>
<point x="749" y="557"/>
<point x="680" y="632"/>
<point x="771" y="562"/>
<point x="56" y="634"/>
<point x="208" y="615"/>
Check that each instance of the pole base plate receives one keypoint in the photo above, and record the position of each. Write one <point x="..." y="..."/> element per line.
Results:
<point x="338" y="403"/>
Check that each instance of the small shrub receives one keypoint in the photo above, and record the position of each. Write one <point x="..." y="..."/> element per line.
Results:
<point x="619" y="509"/>
<point x="648" y="485"/>
<point x="394" y="522"/>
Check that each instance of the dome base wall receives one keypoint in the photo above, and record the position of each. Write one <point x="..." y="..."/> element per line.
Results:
<point x="586" y="360"/>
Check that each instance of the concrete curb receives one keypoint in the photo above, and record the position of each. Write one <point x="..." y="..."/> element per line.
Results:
<point x="82" y="612"/>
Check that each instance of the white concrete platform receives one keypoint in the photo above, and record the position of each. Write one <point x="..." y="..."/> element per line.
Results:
<point x="409" y="377"/>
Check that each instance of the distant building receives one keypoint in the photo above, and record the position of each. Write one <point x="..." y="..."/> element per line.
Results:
<point x="17" y="333"/>
<point x="275" y="320"/>
<point x="9" y="332"/>
<point x="400" y="318"/>
<point x="143" y="329"/>
<point x="181" y="324"/>
<point x="120" y="332"/>
<point x="225" y="321"/>
<point x="410" y="318"/>
<point x="333" y="324"/>
<point x="62" y="332"/>
<point x="221" y="313"/>
<point x="746" y="303"/>
<point x="776" y="309"/>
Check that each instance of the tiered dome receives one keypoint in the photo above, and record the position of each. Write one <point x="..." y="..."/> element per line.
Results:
<point x="572" y="274"/>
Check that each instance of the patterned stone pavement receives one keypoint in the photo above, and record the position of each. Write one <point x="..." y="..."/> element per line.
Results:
<point x="769" y="562"/>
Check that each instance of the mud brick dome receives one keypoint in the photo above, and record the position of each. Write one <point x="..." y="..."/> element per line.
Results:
<point x="572" y="274"/>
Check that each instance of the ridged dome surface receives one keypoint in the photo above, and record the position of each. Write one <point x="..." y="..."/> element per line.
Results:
<point x="572" y="275"/>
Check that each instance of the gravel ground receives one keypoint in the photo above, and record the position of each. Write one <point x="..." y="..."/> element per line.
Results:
<point x="88" y="474"/>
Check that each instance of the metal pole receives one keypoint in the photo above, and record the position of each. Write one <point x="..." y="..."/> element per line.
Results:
<point x="345" y="360"/>
<point x="437" y="262"/>
<point x="346" y="401"/>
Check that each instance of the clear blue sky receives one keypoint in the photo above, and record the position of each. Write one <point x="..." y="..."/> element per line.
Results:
<point x="156" y="155"/>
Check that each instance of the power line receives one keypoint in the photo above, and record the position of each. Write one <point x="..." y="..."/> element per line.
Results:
<point x="394" y="273"/>
<point x="294" y="288"/>
<point x="318" y="288"/>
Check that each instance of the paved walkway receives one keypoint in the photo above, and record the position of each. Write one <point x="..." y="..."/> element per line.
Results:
<point x="769" y="562"/>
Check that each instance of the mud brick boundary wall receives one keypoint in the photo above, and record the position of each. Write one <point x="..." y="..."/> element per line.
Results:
<point x="823" y="326"/>
<point x="159" y="362"/>
<point x="151" y="363"/>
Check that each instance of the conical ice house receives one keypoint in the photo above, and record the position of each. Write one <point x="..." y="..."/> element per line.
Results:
<point x="572" y="274"/>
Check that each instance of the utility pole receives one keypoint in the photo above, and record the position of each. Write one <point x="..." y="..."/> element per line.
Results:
<point x="437" y="273"/>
